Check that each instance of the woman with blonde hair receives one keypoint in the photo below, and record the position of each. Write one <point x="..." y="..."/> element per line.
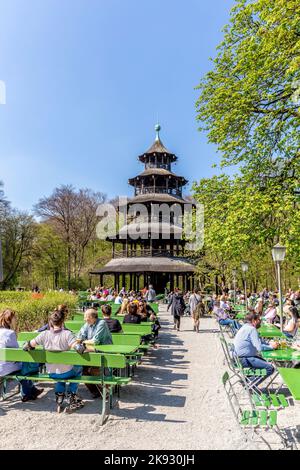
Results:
<point x="124" y="307"/>
<point x="259" y="307"/>
<point x="8" y="339"/>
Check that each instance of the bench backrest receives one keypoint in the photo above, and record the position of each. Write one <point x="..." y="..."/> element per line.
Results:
<point x="122" y="339"/>
<point x="117" y="338"/>
<point x="65" y="357"/>
<point x="141" y="328"/>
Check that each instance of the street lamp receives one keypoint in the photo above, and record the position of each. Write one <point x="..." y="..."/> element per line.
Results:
<point x="278" y="254"/>
<point x="245" y="268"/>
<point x="234" y="273"/>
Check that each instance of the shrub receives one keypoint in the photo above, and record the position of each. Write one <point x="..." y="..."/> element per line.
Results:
<point x="34" y="312"/>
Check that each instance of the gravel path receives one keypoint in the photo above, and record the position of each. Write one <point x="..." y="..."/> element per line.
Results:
<point x="176" y="401"/>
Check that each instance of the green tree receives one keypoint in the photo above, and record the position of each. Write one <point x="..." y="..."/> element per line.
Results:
<point x="17" y="235"/>
<point x="244" y="221"/>
<point x="249" y="101"/>
<point x="48" y="258"/>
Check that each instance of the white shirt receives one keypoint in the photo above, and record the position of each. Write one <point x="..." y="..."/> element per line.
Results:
<point x="8" y="339"/>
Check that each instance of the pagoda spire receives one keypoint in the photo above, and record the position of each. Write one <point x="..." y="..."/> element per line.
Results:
<point x="157" y="130"/>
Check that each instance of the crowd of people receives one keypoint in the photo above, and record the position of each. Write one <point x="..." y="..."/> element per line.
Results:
<point x="54" y="336"/>
<point x="105" y="294"/>
<point x="136" y="308"/>
<point x="259" y="307"/>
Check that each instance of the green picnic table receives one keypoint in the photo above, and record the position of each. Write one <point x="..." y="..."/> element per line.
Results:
<point x="124" y="349"/>
<point x="128" y="350"/>
<point x="270" y="331"/>
<point x="117" y="338"/>
<point x="285" y="355"/>
<point x="144" y="328"/>
<point x="240" y="316"/>
<point x="291" y="378"/>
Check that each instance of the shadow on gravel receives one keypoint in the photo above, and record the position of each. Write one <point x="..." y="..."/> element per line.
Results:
<point x="142" y="413"/>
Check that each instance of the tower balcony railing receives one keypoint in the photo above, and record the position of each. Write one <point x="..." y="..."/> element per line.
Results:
<point x="158" y="189"/>
<point x="147" y="253"/>
<point x="165" y="166"/>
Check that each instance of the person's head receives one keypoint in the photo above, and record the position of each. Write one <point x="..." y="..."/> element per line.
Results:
<point x="8" y="319"/>
<point x="63" y="308"/>
<point x="90" y="316"/>
<point x="56" y="319"/>
<point x="142" y="306"/>
<point x="293" y="311"/>
<point x="106" y="310"/>
<point x="254" y="319"/>
<point x="132" y="308"/>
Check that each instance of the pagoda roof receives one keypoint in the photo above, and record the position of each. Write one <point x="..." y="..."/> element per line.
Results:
<point x="158" y="147"/>
<point x="158" y="172"/>
<point x="161" y="264"/>
<point x="157" y="197"/>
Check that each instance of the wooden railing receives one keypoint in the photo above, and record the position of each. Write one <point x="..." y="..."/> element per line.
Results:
<point x="158" y="189"/>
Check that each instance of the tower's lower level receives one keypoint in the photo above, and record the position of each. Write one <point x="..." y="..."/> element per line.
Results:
<point x="134" y="273"/>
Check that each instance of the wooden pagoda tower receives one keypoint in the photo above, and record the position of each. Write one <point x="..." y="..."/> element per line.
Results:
<point x="157" y="255"/>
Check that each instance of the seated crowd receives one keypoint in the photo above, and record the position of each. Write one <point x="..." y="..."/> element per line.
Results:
<point x="258" y="308"/>
<point x="54" y="336"/>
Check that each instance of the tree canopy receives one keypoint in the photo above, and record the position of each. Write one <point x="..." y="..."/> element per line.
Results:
<point x="249" y="106"/>
<point x="249" y="101"/>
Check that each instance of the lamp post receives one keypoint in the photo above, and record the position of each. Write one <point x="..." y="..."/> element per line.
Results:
<point x="278" y="254"/>
<point x="234" y="273"/>
<point x="245" y="268"/>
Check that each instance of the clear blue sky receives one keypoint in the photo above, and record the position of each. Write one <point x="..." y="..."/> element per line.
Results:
<point x="85" y="80"/>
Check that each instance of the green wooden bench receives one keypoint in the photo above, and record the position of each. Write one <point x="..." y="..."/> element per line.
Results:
<point x="141" y="329"/>
<point x="108" y="383"/>
<point x="132" y="359"/>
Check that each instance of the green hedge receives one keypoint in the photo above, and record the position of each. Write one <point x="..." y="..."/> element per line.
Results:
<point x="14" y="296"/>
<point x="33" y="313"/>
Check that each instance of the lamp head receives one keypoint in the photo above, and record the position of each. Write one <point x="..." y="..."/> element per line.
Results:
<point x="278" y="253"/>
<point x="244" y="266"/>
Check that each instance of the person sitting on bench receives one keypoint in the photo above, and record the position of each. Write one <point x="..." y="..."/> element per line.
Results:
<point x="94" y="331"/>
<point x="113" y="324"/>
<point x="8" y="339"/>
<point x="132" y="316"/>
<point x="248" y="345"/>
<point x="59" y="339"/>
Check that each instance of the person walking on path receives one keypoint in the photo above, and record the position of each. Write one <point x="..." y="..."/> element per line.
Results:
<point x="194" y="299"/>
<point x="177" y="308"/>
<point x="197" y="313"/>
<point x="150" y="295"/>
